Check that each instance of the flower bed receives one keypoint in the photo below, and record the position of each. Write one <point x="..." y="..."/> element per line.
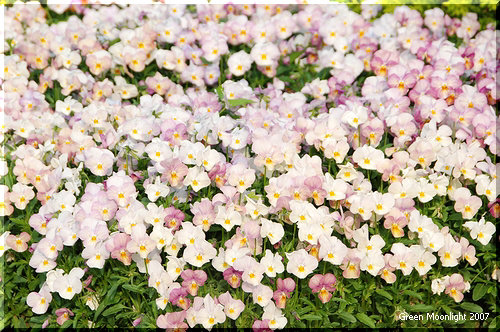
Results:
<point x="262" y="166"/>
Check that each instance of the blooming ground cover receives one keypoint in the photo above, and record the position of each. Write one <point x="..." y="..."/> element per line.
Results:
<point x="255" y="166"/>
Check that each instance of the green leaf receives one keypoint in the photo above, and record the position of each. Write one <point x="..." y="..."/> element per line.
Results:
<point x="493" y="324"/>
<point x="295" y="55"/>
<point x="413" y="294"/>
<point x="384" y="293"/>
<point x="357" y="286"/>
<point x="67" y="323"/>
<point x="363" y="318"/>
<point x="471" y="307"/>
<point x="205" y="61"/>
<point x="219" y="93"/>
<point x="347" y="316"/>
<point x="455" y="216"/>
<point x="311" y="317"/>
<point x="479" y="291"/>
<point x="419" y="308"/>
<point x="133" y="288"/>
<point x="446" y="308"/>
<point x="240" y="102"/>
<point x="113" y="310"/>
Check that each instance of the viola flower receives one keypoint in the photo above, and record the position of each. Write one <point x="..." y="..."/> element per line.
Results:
<point x="232" y="307"/>
<point x="283" y="291"/>
<point x="455" y="287"/>
<point x="18" y="243"/>
<point x="117" y="246"/>
<point x="272" y="230"/>
<point x="140" y="242"/>
<point x="241" y="177"/>
<point x="199" y="253"/>
<point x="265" y="54"/>
<point x="172" y="320"/>
<point x="272" y="263"/>
<point x="212" y="313"/>
<point x="192" y="280"/>
<point x="69" y="284"/>
<point x="403" y="258"/>
<point x="239" y="63"/>
<point x="253" y="272"/>
<point x="261" y="294"/>
<point x="367" y="157"/>
<point x="63" y="314"/>
<point x="96" y="256"/>
<point x="21" y="195"/>
<point x="465" y="203"/>
<point x="386" y="272"/>
<point x="39" y="302"/>
<point x="261" y="326"/>
<point x="178" y="297"/>
<point x="197" y="179"/>
<point x="323" y="285"/>
<point x="233" y="277"/>
<point x="6" y="208"/>
<point x="41" y="262"/>
<point x="276" y="318"/>
<point x="300" y="263"/>
<point x="468" y="252"/>
<point x="451" y="252"/>
<point x="482" y="231"/>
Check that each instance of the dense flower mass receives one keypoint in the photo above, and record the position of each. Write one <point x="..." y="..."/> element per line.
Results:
<point x="240" y="155"/>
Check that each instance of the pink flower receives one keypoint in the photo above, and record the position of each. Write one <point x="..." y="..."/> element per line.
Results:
<point x="465" y="203"/>
<point x="261" y="326"/>
<point x="192" y="280"/>
<point x="178" y="297"/>
<point x="324" y="285"/>
<point x="174" y="171"/>
<point x="233" y="277"/>
<point x="63" y="315"/>
<point x="386" y="272"/>
<point x="172" y="320"/>
<point x="232" y="308"/>
<point x="495" y="208"/>
<point x="117" y="245"/>
<point x="455" y="287"/>
<point x="137" y="321"/>
<point x="283" y="292"/>
<point x="19" y="242"/>
<point x="173" y="218"/>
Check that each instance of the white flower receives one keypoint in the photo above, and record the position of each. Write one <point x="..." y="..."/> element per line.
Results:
<point x="300" y="263"/>
<point x="68" y="285"/>
<point x="156" y="190"/>
<point x="200" y="253"/>
<point x="227" y="217"/>
<point x="39" y="302"/>
<point x="197" y="178"/>
<point x="272" y="263"/>
<point x="4" y="246"/>
<point x="439" y="285"/>
<point x="92" y="302"/>
<point x="367" y="157"/>
<point x="272" y="230"/>
<point x="239" y="63"/>
<point x="372" y="263"/>
<point x="276" y="318"/>
<point x="482" y="231"/>
<point x="211" y="313"/>
<point x="262" y="295"/>
<point x="332" y="250"/>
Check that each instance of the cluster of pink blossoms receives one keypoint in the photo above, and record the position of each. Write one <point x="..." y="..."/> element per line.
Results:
<point x="434" y="100"/>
